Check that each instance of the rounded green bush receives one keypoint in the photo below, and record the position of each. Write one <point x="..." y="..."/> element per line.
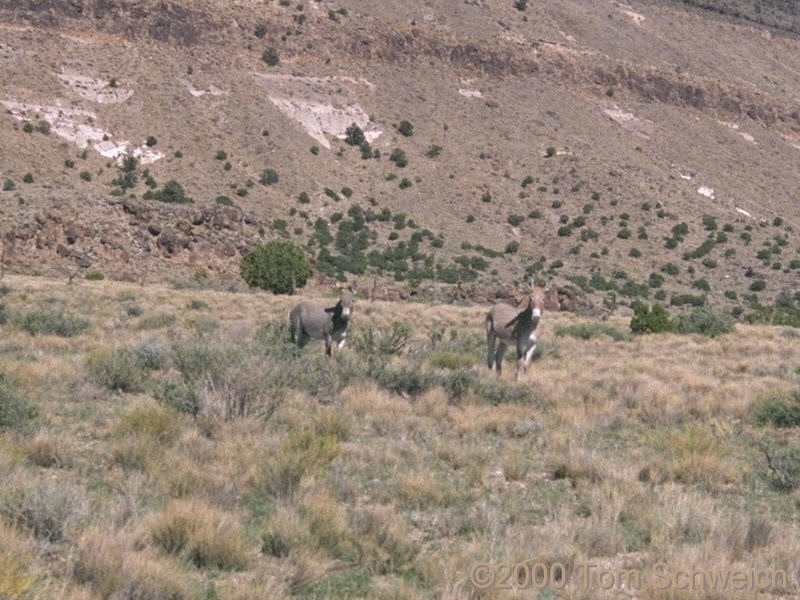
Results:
<point x="277" y="266"/>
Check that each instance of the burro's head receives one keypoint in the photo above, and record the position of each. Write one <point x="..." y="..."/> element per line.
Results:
<point x="344" y="307"/>
<point x="536" y="297"/>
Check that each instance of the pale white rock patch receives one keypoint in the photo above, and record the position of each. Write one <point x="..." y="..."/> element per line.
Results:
<point x="706" y="191"/>
<point x="630" y="122"/>
<point x="470" y="93"/>
<point x="91" y="88"/>
<point x="323" y="106"/>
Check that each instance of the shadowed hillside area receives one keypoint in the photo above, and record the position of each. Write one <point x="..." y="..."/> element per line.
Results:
<point x="162" y="438"/>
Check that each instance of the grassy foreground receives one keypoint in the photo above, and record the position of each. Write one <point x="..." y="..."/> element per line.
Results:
<point x="170" y="444"/>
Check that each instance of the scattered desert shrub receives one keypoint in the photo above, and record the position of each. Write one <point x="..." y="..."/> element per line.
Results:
<point x="270" y="56"/>
<point x="14" y="407"/>
<point x="398" y="157"/>
<point x="687" y="299"/>
<point x="116" y="572"/>
<point x="405" y="128"/>
<point x="584" y="331"/>
<point x="155" y="422"/>
<point x="648" y="319"/>
<point x="45" y="450"/>
<point x="46" y="506"/>
<point x="449" y="359"/>
<point x="382" y="341"/>
<point x="171" y="193"/>
<point x="278" y="266"/>
<point x="704" y="320"/>
<point x="156" y="321"/>
<point x="305" y="452"/>
<point x="782" y="468"/>
<point x="782" y="410"/>
<point x="179" y="396"/>
<point x="53" y="323"/>
<point x="268" y="177"/>
<point x="354" y="135"/>
<point x="117" y="370"/>
<point x="433" y="151"/>
<point x="203" y="535"/>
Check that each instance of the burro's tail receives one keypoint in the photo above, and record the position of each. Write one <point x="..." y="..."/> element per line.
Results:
<point x="489" y="322"/>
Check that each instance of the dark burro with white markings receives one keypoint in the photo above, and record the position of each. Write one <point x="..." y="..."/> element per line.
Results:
<point x="310" y="320"/>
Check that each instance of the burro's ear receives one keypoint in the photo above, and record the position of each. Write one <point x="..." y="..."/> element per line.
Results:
<point x="532" y="283"/>
<point x="548" y="286"/>
<point x="353" y="286"/>
<point x="331" y="309"/>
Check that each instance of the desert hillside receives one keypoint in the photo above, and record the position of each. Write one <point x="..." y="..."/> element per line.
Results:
<point x="646" y="150"/>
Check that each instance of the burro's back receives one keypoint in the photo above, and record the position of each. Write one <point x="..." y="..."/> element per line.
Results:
<point x="312" y="319"/>
<point x="309" y="320"/>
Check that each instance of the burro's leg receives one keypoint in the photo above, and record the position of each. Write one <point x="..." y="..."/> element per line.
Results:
<point x="525" y="354"/>
<point x="498" y="357"/>
<point x="328" y="341"/>
<point x="491" y="336"/>
<point x="342" y="340"/>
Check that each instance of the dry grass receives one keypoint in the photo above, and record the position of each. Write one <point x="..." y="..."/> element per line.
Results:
<point x="626" y="454"/>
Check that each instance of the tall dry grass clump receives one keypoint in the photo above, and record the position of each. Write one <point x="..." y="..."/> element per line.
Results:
<point x="205" y="536"/>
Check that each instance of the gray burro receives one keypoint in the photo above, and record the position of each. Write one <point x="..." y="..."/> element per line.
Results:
<point x="309" y="320"/>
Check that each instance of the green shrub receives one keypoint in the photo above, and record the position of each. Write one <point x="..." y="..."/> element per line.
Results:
<point x="268" y="177"/>
<point x="704" y="320"/>
<point x="433" y="151"/>
<point x="687" y="299"/>
<point x="709" y="222"/>
<point x="650" y="320"/>
<point x="511" y="247"/>
<point x="783" y="465"/>
<point x="656" y="280"/>
<point x="270" y="56"/>
<point x="9" y="186"/>
<point x="54" y="323"/>
<point x="171" y="193"/>
<point x="406" y="128"/>
<point x="550" y="151"/>
<point x="398" y="157"/>
<point x="670" y="269"/>
<point x="180" y="396"/>
<point x="701" y="284"/>
<point x="223" y="200"/>
<point x="758" y="285"/>
<point x="354" y="135"/>
<point x="779" y="411"/>
<point x="278" y="266"/>
<point x="515" y="220"/>
<point x="117" y="370"/>
<point x="85" y="175"/>
<point x="14" y="407"/>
